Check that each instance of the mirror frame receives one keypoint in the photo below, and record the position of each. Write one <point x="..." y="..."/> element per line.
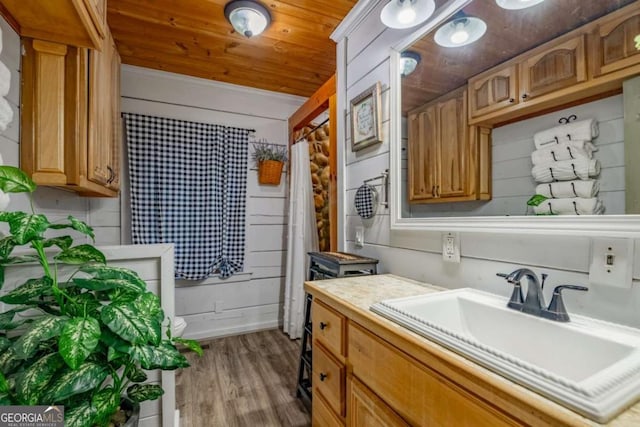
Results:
<point x="593" y="225"/>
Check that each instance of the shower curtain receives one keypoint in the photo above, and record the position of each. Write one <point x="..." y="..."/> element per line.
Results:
<point x="303" y="238"/>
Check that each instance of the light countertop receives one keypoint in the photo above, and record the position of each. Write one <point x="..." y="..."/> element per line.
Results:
<point x="355" y="295"/>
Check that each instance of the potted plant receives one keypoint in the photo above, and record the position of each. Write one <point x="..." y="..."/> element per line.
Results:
<point x="269" y="158"/>
<point x="81" y="333"/>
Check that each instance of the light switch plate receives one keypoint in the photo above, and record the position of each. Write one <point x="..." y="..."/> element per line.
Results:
<point x="451" y="247"/>
<point x="359" y="240"/>
<point x="611" y="262"/>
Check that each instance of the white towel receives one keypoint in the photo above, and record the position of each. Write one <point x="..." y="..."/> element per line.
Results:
<point x="574" y="206"/>
<point x="575" y="188"/>
<point x="563" y="151"/>
<point x="5" y="79"/>
<point x="566" y="170"/>
<point x="6" y="114"/>
<point x="584" y="130"/>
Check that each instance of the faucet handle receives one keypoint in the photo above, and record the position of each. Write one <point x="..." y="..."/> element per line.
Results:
<point x="557" y="310"/>
<point x="544" y="277"/>
<point x="516" y="299"/>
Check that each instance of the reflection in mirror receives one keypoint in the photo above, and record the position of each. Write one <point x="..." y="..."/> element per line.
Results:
<point x="491" y="88"/>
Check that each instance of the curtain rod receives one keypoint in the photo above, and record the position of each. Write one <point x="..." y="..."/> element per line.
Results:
<point x="310" y="132"/>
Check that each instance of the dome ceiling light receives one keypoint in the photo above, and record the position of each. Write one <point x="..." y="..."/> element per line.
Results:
<point x="460" y="31"/>
<point x="399" y="14"/>
<point x="409" y="60"/>
<point x="517" y="4"/>
<point x="248" y="17"/>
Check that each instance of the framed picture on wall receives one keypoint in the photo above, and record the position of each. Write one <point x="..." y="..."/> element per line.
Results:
<point x="366" y="118"/>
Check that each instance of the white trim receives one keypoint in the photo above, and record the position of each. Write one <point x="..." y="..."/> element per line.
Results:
<point x="627" y="226"/>
<point x="341" y="126"/>
<point x="355" y="16"/>
<point x="164" y="252"/>
<point x="297" y="100"/>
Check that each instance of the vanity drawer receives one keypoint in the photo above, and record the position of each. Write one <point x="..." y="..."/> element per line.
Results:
<point x="329" y="378"/>
<point x="420" y="395"/>
<point x="329" y="327"/>
<point x="322" y="415"/>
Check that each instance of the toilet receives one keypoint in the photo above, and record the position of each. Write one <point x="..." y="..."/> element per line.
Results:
<point x="179" y="325"/>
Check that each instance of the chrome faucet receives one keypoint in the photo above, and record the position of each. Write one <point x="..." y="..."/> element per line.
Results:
<point x="534" y="302"/>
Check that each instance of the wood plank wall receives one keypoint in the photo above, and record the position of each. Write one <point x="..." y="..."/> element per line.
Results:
<point x="251" y="300"/>
<point x="103" y="214"/>
<point x="418" y="255"/>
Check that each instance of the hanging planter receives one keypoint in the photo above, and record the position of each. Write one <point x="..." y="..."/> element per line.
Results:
<point x="270" y="159"/>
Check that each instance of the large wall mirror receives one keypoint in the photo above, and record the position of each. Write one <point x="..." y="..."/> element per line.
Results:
<point x="497" y="101"/>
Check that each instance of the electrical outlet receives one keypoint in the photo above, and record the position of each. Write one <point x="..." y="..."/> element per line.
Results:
<point x="359" y="237"/>
<point x="451" y="247"/>
<point x="611" y="262"/>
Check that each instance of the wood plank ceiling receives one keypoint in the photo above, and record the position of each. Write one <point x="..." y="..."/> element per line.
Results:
<point x="294" y="55"/>
<point x="509" y="33"/>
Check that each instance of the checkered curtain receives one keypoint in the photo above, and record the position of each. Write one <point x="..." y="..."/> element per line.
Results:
<point x="188" y="187"/>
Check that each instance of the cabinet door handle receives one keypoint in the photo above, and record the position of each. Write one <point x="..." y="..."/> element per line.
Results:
<point x="437" y="191"/>
<point x="323" y="376"/>
<point x="433" y="191"/>
<point x="512" y="100"/>
<point x="525" y="96"/>
<point x="112" y="175"/>
<point x="323" y="325"/>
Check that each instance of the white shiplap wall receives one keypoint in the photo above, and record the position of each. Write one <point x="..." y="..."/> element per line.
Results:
<point x="418" y="255"/>
<point x="54" y="203"/>
<point x="251" y="300"/>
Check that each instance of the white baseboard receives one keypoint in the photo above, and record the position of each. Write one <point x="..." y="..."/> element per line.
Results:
<point x="213" y="332"/>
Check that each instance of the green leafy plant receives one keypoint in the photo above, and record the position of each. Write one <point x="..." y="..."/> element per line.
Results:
<point x="82" y="333"/>
<point x="264" y="151"/>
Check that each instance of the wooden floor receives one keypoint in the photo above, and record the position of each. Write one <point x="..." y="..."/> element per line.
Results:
<point x="245" y="380"/>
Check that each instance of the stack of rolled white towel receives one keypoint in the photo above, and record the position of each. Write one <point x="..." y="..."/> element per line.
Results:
<point x="6" y="112"/>
<point x="564" y="166"/>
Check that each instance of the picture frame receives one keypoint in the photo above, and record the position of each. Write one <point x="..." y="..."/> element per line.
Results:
<point x="366" y="118"/>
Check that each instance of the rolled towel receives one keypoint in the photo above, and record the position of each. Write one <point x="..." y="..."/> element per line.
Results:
<point x="4" y="200"/>
<point x="566" y="170"/>
<point x="584" y="130"/>
<point x="5" y="79"/>
<point x="563" y="151"/>
<point x="6" y="114"/>
<point x="575" y="188"/>
<point x="573" y="206"/>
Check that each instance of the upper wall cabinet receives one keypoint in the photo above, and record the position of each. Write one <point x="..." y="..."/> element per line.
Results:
<point x="70" y="117"/>
<point x="71" y="22"/>
<point x="448" y="161"/>
<point x="557" y="67"/>
<point x="590" y="61"/>
<point x="613" y="42"/>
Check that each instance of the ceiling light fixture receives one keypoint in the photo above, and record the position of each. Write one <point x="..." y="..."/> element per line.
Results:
<point x="409" y="60"/>
<point x="248" y="17"/>
<point x="401" y="14"/>
<point x="460" y="31"/>
<point x="517" y="4"/>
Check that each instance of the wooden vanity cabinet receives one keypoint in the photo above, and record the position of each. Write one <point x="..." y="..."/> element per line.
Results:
<point x="328" y="364"/>
<point x="69" y="22"/>
<point x="444" y="153"/>
<point x="70" y="117"/>
<point x="365" y="408"/>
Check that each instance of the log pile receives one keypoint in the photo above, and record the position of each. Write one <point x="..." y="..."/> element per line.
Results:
<point x="320" y="178"/>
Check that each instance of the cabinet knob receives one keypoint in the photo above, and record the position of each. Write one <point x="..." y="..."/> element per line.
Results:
<point x="512" y="100"/>
<point x="433" y="191"/>
<point x="525" y="96"/>
<point x="323" y="325"/>
<point x="323" y="376"/>
<point x="437" y="191"/>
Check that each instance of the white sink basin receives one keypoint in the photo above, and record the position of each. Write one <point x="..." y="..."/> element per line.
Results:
<point x="588" y="365"/>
